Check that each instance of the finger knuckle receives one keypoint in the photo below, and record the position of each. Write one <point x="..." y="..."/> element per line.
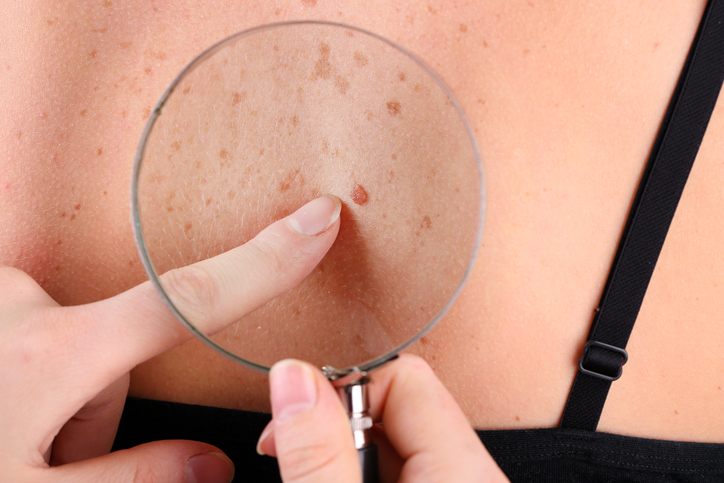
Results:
<point x="267" y="255"/>
<point x="192" y="290"/>
<point x="146" y="473"/>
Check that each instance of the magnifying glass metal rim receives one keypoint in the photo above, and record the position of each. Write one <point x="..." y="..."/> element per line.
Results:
<point x="331" y="372"/>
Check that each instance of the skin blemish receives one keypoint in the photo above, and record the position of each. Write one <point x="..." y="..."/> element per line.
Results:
<point x="77" y="207"/>
<point x="426" y="222"/>
<point x="341" y="83"/>
<point x="176" y="145"/>
<point x="186" y="91"/>
<point x="394" y="108"/>
<point x="82" y="113"/>
<point x="105" y="193"/>
<point x="169" y="209"/>
<point x="309" y="3"/>
<point x="358" y="194"/>
<point x="224" y="154"/>
<point x="147" y="71"/>
<point x="235" y="98"/>
<point x="401" y="76"/>
<point x="295" y="120"/>
<point x="463" y="28"/>
<point x="100" y="151"/>
<point x="188" y="226"/>
<point x="72" y="217"/>
<point x="261" y="152"/>
<point x="323" y="69"/>
<point x="423" y="340"/>
<point x="360" y="59"/>
<point x="92" y="54"/>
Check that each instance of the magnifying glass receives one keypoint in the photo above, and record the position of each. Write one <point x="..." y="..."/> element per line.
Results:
<point x="275" y="116"/>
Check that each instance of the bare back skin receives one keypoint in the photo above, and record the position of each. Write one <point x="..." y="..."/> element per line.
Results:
<point x="565" y="100"/>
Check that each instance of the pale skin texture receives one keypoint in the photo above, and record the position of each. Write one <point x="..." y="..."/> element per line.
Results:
<point x="565" y="100"/>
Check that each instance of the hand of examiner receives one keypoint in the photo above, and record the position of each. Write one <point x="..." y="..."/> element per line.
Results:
<point x="424" y="435"/>
<point x="64" y="370"/>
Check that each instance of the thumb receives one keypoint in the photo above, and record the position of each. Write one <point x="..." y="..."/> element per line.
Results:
<point x="160" y="461"/>
<point x="311" y="433"/>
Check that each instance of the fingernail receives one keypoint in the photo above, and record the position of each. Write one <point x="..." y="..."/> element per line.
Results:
<point x="209" y="468"/>
<point x="316" y="216"/>
<point x="293" y="389"/>
<point x="262" y="439"/>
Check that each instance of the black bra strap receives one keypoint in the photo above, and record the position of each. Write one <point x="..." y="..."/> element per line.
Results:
<point x="667" y="170"/>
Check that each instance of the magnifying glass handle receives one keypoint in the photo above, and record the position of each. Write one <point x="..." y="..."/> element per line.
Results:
<point x="354" y="397"/>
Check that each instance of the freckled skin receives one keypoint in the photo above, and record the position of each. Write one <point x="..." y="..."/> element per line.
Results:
<point x="358" y="194"/>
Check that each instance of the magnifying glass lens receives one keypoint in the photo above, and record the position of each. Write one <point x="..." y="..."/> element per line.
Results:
<point x="274" y="117"/>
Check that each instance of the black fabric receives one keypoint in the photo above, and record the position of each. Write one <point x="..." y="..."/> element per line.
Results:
<point x="672" y="156"/>
<point x="540" y="455"/>
<point x="234" y="432"/>
<point x="570" y="455"/>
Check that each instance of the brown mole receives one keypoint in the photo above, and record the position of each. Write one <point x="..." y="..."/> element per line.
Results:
<point x="358" y="194"/>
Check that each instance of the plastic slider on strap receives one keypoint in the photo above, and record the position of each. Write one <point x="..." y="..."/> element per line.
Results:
<point x="598" y="360"/>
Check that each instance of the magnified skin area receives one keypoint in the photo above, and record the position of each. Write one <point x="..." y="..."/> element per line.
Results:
<point x="283" y="115"/>
<point x="564" y="98"/>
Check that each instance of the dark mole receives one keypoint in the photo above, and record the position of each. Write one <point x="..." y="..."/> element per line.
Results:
<point x="517" y="418"/>
<point x="77" y="207"/>
<point x="358" y="194"/>
<point x="423" y="340"/>
<point x="100" y="151"/>
<point x="394" y="108"/>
